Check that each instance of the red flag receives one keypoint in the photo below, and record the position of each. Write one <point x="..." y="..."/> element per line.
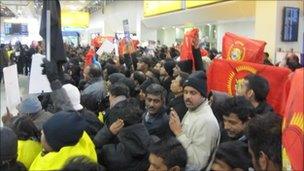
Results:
<point x="89" y="57"/>
<point x="186" y="47"/>
<point x="224" y="75"/>
<point x="96" y="42"/>
<point x="293" y="123"/>
<point x="240" y="48"/>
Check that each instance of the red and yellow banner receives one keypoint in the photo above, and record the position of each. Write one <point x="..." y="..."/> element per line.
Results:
<point x="239" y="48"/>
<point x="224" y="75"/>
<point x="293" y="123"/>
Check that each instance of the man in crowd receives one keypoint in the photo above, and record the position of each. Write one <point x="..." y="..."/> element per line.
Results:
<point x="232" y="155"/>
<point x="123" y="145"/>
<point x="256" y="88"/>
<point x="265" y="144"/>
<point x="177" y="103"/>
<point x="94" y="89"/>
<point x="199" y="130"/>
<point x="156" y="119"/>
<point x="144" y="64"/>
<point x="167" y="154"/>
<point x="237" y="111"/>
<point x="31" y="107"/>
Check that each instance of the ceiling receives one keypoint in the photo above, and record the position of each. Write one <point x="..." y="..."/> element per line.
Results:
<point x="223" y="11"/>
<point x="28" y="8"/>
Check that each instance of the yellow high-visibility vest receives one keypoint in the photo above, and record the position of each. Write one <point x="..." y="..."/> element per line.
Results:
<point x="57" y="160"/>
<point x="28" y="151"/>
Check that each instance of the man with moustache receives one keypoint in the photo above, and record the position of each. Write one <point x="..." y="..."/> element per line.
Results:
<point x="199" y="130"/>
<point x="156" y="119"/>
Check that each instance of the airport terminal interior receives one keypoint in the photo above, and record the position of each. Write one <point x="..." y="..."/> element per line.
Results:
<point x="177" y="85"/>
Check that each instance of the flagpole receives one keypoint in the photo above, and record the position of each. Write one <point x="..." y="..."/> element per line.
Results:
<point x="48" y="33"/>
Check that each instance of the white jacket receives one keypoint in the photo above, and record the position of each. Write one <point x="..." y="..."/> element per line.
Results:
<point x="200" y="136"/>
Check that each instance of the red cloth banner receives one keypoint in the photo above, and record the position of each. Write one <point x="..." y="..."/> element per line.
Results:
<point x="293" y="123"/>
<point x="239" y="48"/>
<point x="186" y="47"/>
<point x="224" y="75"/>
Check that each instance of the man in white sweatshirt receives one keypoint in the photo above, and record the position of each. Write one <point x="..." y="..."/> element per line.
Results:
<point x="199" y="130"/>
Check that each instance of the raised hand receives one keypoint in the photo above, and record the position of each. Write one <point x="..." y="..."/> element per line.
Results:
<point x="116" y="126"/>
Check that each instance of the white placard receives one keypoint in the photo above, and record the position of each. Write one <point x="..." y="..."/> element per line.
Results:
<point x="11" y="85"/>
<point x="116" y="49"/>
<point x="38" y="82"/>
<point x="106" y="47"/>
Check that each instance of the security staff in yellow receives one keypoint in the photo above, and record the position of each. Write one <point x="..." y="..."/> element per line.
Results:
<point x="63" y="137"/>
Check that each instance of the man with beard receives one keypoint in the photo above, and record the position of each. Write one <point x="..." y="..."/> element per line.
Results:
<point x="199" y="130"/>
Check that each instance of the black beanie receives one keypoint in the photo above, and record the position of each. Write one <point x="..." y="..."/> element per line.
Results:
<point x="198" y="81"/>
<point x="64" y="129"/>
<point x="8" y="143"/>
<point x="169" y="65"/>
<point x="185" y="66"/>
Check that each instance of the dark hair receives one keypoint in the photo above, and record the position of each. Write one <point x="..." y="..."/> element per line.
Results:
<point x="119" y="89"/>
<point x="80" y="163"/>
<point x="264" y="134"/>
<point x="240" y="106"/>
<point x="157" y="90"/>
<point x="130" y="84"/>
<point x="95" y="71"/>
<point x="259" y="85"/>
<point x="266" y="54"/>
<point x="185" y="66"/>
<point x="145" y="84"/>
<point x="146" y="60"/>
<point x="128" y="110"/>
<point x="184" y="77"/>
<point x="154" y="72"/>
<point x="111" y="69"/>
<point x="139" y="77"/>
<point x="113" y="78"/>
<point x="13" y="166"/>
<point x="293" y="62"/>
<point x="25" y="128"/>
<point x="235" y="154"/>
<point x="171" y="151"/>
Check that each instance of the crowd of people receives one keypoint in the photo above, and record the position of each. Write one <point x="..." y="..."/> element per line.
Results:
<point x="139" y="111"/>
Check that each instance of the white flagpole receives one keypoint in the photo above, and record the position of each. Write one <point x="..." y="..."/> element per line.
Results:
<point x="48" y="33"/>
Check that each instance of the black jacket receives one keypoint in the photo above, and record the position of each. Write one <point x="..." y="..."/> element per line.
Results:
<point x="178" y="104"/>
<point x="93" y="94"/>
<point x="198" y="62"/>
<point x="263" y="108"/>
<point x="158" y="124"/>
<point x="94" y="124"/>
<point x="130" y="153"/>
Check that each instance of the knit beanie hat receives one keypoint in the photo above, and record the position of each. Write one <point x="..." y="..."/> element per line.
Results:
<point x="185" y="66"/>
<point x="198" y="81"/>
<point x="8" y="143"/>
<point x="169" y="65"/>
<point x="64" y="129"/>
<point x="29" y="105"/>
